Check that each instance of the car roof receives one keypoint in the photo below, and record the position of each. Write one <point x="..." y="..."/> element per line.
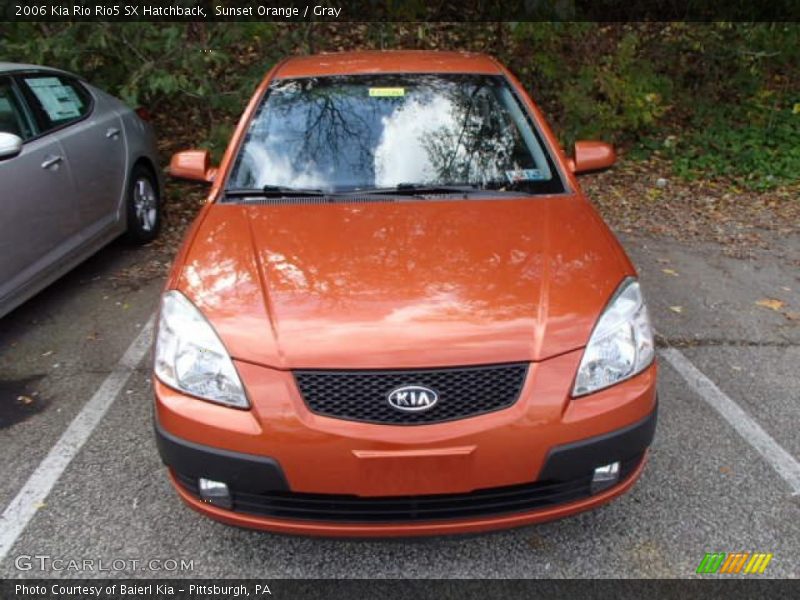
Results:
<point x="398" y="61"/>
<point x="6" y="67"/>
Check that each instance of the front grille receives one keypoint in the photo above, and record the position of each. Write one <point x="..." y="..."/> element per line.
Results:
<point x="392" y="509"/>
<point x="363" y="395"/>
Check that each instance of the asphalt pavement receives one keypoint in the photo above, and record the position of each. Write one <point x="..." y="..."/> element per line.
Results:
<point x="711" y="484"/>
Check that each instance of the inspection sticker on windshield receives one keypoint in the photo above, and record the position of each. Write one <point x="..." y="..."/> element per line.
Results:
<point x="387" y="92"/>
<point x="525" y="175"/>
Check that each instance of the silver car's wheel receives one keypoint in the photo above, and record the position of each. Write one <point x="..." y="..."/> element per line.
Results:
<point x="145" y="203"/>
<point x="144" y="206"/>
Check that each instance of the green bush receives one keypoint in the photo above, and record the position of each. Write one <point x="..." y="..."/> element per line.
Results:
<point x="759" y="149"/>
<point x="718" y="99"/>
<point x="146" y="63"/>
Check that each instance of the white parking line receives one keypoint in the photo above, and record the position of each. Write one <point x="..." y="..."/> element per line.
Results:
<point x="779" y="459"/>
<point x="24" y="506"/>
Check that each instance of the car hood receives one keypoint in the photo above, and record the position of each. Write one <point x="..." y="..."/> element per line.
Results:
<point x="402" y="284"/>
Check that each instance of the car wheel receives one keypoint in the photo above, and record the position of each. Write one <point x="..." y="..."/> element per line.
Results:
<point x="144" y="207"/>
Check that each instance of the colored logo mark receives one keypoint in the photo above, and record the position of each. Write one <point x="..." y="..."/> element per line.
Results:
<point x="735" y="563"/>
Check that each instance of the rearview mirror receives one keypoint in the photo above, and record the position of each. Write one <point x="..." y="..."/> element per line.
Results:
<point x="10" y="145"/>
<point x="194" y="165"/>
<point x="592" y="156"/>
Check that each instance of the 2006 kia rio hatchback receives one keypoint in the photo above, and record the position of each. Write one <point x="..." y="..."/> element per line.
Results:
<point x="398" y="314"/>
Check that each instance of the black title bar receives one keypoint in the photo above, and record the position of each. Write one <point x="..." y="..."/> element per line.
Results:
<point x="401" y="10"/>
<point x="389" y="589"/>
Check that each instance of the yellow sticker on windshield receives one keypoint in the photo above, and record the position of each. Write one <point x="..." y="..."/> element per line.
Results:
<point x="387" y="92"/>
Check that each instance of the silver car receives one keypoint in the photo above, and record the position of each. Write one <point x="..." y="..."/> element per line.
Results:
<point x="78" y="168"/>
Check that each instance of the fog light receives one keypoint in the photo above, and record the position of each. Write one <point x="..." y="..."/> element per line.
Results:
<point x="604" y="477"/>
<point x="215" y="492"/>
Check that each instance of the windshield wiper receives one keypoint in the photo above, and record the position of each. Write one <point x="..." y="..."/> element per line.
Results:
<point x="274" y="191"/>
<point x="419" y="190"/>
<point x="414" y="189"/>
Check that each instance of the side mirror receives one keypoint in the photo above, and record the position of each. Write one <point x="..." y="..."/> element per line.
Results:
<point x="10" y="145"/>
<point x="592" y="156"/>
<point x="194" y="165"/>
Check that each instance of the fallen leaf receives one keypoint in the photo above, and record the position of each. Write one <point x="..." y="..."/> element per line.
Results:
<point x="672" y="272"/>
<point x="771" y="303"/>
<point x="48" y="353"/>
<point x="677" y="309"/>
<point x="792" y="316"/>
<point x="26" y="400"/>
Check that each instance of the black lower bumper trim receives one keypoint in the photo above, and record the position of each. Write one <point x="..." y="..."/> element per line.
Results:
<point x="246" y="472"/>
<point x="342" y="508"/>
<point x="258" y="485"/>
<point x="584" y="456"/>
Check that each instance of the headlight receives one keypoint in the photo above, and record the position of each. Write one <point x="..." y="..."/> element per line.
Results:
<point x="621" y="344"/>
<point x="190" y="356"/>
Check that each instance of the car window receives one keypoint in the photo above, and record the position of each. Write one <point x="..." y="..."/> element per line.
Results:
<point x="60" y="100"/>
<point x="344" y="133"/>
<point x="12" y="116"/>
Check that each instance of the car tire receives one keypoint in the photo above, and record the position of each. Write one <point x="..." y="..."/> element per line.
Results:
<point x="143" y="206"/>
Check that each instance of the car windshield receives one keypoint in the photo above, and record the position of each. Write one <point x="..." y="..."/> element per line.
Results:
<point x="362" y="132"/>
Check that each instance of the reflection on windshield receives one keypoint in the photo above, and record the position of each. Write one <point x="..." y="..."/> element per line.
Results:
<point x="345" y="133"/>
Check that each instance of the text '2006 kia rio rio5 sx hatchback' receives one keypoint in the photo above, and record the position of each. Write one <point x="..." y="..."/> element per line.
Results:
<point x="398" y="314"/>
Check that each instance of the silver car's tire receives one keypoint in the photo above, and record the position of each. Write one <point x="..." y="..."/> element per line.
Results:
<point x="144" y="206"/>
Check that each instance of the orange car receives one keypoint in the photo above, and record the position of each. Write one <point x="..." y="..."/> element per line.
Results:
<point x="398" y="314"/>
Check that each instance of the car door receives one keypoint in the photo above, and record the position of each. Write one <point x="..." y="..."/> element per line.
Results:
<point x="94" y="144"/>
<point x="38" y="219"/>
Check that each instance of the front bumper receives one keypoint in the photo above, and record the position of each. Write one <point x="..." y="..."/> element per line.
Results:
<point x="293" y="471"/>
<point x="262" y="499"/>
